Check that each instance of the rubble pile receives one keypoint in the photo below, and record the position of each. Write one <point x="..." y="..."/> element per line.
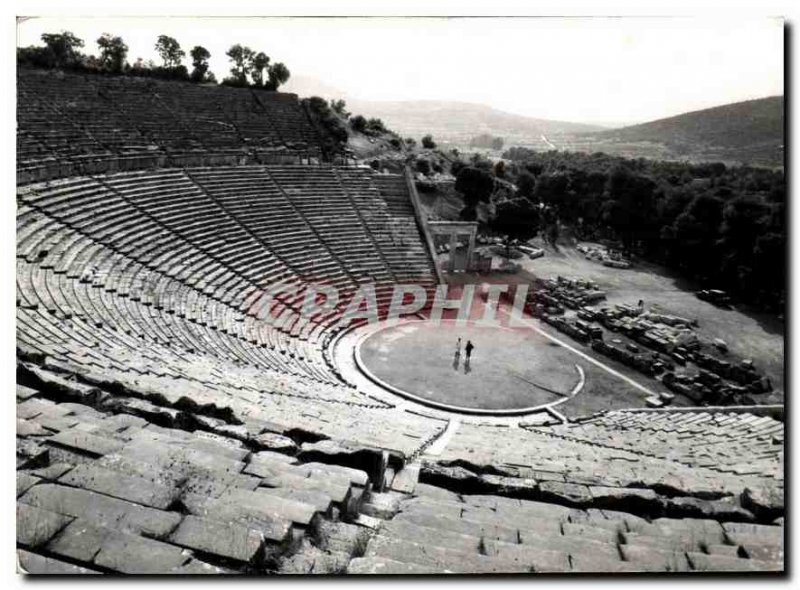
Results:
<point x="606" y="256"/>
<point x="654" y="343"/>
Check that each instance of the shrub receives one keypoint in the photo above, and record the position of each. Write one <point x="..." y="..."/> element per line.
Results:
<point x="424" y="166"/>
<point x="358" y="123"/>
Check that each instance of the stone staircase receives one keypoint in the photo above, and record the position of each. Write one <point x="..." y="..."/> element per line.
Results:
<point x="435" y="531"/>
<point x="116" y="493"/>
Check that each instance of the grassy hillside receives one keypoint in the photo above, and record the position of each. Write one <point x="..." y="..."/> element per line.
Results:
<point x="752" y="122"/>
<point x="749" y="132"/>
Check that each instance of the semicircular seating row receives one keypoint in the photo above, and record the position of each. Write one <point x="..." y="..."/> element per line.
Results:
<point x="67" y="117"/>
<point x="149" y="279"/>
<point x="163" y="272"/>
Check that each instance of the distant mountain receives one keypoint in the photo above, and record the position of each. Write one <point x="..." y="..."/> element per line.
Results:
<point x="749" y="132"/>
<point x="733" y="125"/>
<point x="448" y="121"/>
<point x="458" y="122"/>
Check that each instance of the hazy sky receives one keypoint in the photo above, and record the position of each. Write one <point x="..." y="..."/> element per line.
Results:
<point x="584" y="70"/>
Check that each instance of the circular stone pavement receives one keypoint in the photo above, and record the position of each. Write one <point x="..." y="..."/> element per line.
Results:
<point x="510" y="369"/>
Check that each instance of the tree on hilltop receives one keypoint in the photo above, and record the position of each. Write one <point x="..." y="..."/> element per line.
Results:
<point x="63" y="47"/>
<point x="278" y="75"/>
<point x="241" y="57"/>
<point x="200" y="55"/>
<point x="358" y="123"/>
<point x="258" y="63"/>
<point x="170" y="51"/>
<point x="113" y="52"/>
<point x="340" y="108"/>
<point x="428" y="143"/>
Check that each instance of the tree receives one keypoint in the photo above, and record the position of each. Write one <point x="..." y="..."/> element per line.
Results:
<point x="113" y="52"/>
<point x="552" y="188"/>
<point x="770" y="266"/>
<point x="744" y="221"/>
<point x="200" y="57"/>
<point x="358" y="123"/>
<point x="525" y="185"/>
<point x="694" y="235"/>
<point x="476" y="185"/>
<point x="340" y="108"/>
<point x="322" y="114"/>
<point x="424" y="166"/>
<point x="515" y="219"/>
<point x="630" y="209"/>
<point x="376" y="126"/>
<point x="258" y="63"/>
<point x="428" y="143"/>
<point x="278" y="75"/>
<point x="170" y="51"/>
<point x="63" y="47"/>
<point x="487" y="141"/>
<point x="241" y="57"/>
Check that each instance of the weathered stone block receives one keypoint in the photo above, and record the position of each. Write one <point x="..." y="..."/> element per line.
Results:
<point x="120" y="485"/>
<point x="25" y="481"/>
<point x="566" y="493"/>
<point x="228" y="540"/>
<point x="36" y="526"/>
<point x="102" y="510"/>
<point x="87" y="443"/>
<point x="385" y="566"/>
<point x="31" y="563"/>
<point x="270" y="522"/>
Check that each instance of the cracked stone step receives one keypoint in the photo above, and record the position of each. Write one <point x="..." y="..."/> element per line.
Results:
<point x="102" y="510"/>
<point x="385" y="566"/>
<point x="111" y="549"/>
<point x="276" y="507"/>
<point x="745" y="532"/>
<point x="426" y="506"/>
<point x="36" y="526"/>
<point x="84" y="442"/>
<point x="341" y="536"/>
<point x="423" y="490"/>
<point x="537" y="559"/>
<point x="440" y="558"/>
<point x="725" y="563"/>
<point x="487" y="530"/>
<point x="265" y="519"/>
<point x="320" y="500"/>
<point x="26" y="481"/>
<point x="31" y="454"/>
<point x="570" y="544"/>
<point x="429" y="535"/>
<point x="309" y="559"/>
<point x="382" y="505"/>
<point x="512" y="521"/>
<point x="119" y="485"/>
<point x="652" y="559"/>
<point x="33" y="563"/>
<point x="405" y="480"/>
<point x="223" y="539"/>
